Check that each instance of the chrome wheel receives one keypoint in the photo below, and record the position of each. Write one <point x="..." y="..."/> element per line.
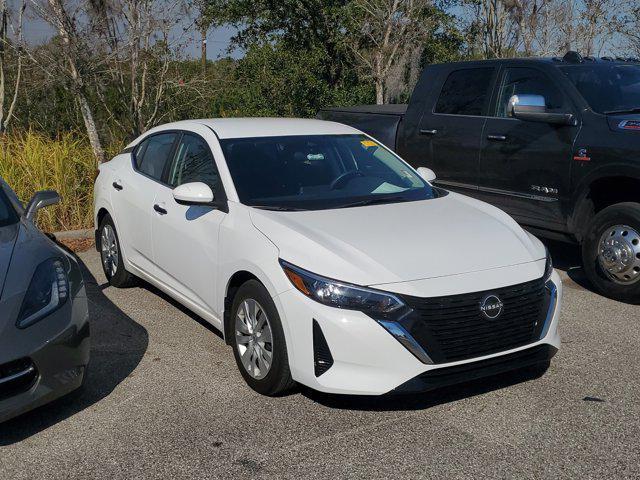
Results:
<point x="254" y="338"/>
<point x="619" y="254"/>
<point x="109" y="250"/>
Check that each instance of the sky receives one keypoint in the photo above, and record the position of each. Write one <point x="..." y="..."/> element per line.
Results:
<point x="37" y="31"/>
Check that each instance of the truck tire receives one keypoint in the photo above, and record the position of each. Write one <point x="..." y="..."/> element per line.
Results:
<point x="611" y="252"/>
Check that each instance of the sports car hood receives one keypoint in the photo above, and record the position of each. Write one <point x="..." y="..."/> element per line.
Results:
<point x="399" y="242"/>
<point x="8" y="236"/>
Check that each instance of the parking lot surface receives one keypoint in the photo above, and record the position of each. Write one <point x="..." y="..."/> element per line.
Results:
<point x="164" y="399"/>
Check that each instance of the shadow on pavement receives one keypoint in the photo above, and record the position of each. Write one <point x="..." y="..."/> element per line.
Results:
<point x="117" y="346"/>
<point x="420" y="401"/>
<point x="567" y="257"/>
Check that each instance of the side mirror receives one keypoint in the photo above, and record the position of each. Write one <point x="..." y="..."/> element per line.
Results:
<point x="40" y="200"/>
<point x="427" y="174"/>
<point x="533" y="108"/>
<point x="194" y="193"/>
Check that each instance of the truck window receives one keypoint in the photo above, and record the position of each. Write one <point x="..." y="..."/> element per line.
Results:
<point x="522" y="80"/>
<point x="465" y="92"/>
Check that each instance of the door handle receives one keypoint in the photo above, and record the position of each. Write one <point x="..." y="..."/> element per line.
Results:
<point x="497" y="138"/>
<point x="428" y="131"/>
<point x="159" y="209"/>
<point x="117" y="185"/>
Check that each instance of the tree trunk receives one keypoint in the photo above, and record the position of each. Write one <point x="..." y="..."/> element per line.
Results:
<point x="92" y="130"/>
<point x="379" y="91"/>
<point x="203" y="60"/>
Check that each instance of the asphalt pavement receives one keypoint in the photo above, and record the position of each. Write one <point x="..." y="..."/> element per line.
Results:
<point x="164" y="399"/>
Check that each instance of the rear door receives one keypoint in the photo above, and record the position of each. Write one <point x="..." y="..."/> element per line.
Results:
<point x="525" y="165"/>
<point x="133" y="195"/>
<point x="449" y="134"/>
<point x="185" y="237"/>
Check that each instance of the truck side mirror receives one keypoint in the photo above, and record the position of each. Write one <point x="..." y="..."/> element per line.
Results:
<point x="427" y="174"/>
<point x="533" y="108"/>
<point x="40" y="200"/>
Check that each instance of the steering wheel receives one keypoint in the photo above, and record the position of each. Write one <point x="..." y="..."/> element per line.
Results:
<point x="342" y="179"/>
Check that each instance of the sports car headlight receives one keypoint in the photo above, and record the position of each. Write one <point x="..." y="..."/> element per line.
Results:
<point x="47" y="292"/>
<point x="548" y="268"/>
<point x="343" y="295"/>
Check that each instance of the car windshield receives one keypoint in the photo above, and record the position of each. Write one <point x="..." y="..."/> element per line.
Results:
<point x="607" y="88"/>
<point x="317" y="172"/>
<point x="8" y="215"/>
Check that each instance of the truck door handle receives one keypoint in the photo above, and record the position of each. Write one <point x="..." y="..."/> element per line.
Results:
<point x="159" y="209"/>
<point x="117" y="185"/>
<point x="497" y="138"/>
<point x="428" y="131"/>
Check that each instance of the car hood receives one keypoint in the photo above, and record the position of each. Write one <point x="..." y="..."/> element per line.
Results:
<point x="399" y="242"/>
<point x="8" y="236"/>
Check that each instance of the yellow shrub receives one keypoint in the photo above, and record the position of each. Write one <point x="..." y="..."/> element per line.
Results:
<point x="30" y="162"/>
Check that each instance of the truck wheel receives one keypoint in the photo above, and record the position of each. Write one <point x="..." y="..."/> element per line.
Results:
<point x="611" y="252"/>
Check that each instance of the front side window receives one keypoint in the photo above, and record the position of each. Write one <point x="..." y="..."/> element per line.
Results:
<point x="607" y="88"/>
<point x="152" y="154"/>
<point x="527" y="81"/>
<point x="465" y="92"/>
<point x="319" y="171"/>
<point x="193" y="162"/>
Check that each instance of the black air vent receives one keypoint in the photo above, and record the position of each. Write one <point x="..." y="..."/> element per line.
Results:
<point x="322" y="359"/>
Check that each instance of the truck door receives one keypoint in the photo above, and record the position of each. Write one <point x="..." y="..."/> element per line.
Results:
<point x="525" y="165"/>
<point x="450" y="130"/>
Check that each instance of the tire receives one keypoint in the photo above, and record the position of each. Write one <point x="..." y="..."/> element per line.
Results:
<point x="275" y="379"/>
<point x="118" y="276"/>
<point x="618" y="226"/>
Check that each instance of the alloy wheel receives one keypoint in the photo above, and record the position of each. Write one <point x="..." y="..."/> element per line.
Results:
<point x="109" y="250"/>
<point x="254" y="338"/>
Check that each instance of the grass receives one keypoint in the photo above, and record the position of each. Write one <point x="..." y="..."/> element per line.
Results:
<point x="30" y="162"/>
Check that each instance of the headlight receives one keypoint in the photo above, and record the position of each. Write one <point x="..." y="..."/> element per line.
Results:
<point x="47" y="292"/>
<point x="342" y="295"/>
<point x="548" y="268"/>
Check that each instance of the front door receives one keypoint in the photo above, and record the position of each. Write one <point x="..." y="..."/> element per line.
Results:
<point x="450" y="135"/>
<point x="525" y="165"/>
<point x="185" y="237"/>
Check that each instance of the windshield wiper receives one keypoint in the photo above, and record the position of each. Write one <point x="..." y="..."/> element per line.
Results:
<point x="617" y="112"/>
<point x="279" y="208"/>
<point x="374" y="201"/>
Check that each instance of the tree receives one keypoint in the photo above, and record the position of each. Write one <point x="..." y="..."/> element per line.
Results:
<point x="74" y="53"/>
<point x="14" y="50"/>
<point x="388" y="38"/>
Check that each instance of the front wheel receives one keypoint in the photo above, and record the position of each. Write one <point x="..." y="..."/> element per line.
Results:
<point x="611" y="252"/>
<point x="258" y="344"/>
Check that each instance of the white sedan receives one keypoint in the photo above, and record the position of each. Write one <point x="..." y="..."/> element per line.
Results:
<point x="324" y="258"/>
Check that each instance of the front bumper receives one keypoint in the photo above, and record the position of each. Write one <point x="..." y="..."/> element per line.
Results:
<point x="45" y="361"/>
<point x="368" y="360"/>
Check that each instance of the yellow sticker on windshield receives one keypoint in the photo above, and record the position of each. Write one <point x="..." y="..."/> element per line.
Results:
<point x="368" y="143"/>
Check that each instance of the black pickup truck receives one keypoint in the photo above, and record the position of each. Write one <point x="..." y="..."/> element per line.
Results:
<point x="555" y="142"/>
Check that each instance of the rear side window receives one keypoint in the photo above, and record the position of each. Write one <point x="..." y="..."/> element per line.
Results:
<point x="193" y="163"/>
<point x="465" y="92"/>
<point x="153" y="153"/>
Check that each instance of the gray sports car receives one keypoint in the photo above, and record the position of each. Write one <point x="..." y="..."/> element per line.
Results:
<point x="44" y="328"/>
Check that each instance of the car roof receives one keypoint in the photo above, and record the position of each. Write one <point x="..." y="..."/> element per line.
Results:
<point x="262" y="127"/>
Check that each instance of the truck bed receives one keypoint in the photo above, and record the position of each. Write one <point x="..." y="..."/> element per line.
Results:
<point x="379" y="121"/>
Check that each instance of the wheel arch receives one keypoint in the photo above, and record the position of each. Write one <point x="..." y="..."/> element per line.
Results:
<point x="234" y="283"/>
<point x="602" y="189"/>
